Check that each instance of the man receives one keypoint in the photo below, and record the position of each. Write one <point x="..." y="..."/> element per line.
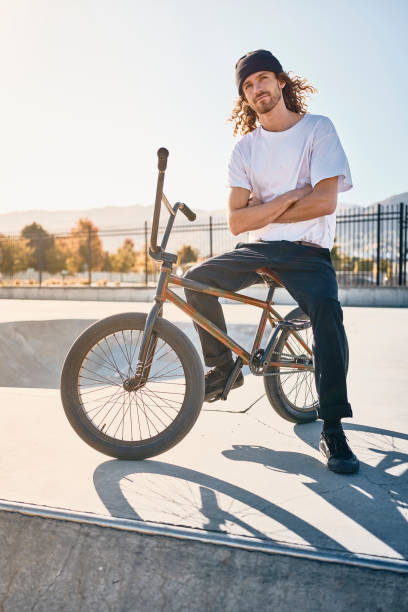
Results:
<point x="284" y="175"/>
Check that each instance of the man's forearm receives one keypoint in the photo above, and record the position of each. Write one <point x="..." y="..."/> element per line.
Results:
<point x="311" y="206"/>
<point x="255" y="217"/>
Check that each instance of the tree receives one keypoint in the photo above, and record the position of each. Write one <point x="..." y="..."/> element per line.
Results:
<point x="140" y="264"/>
<point x="56" y="257"/>
<point x="40" y="242"/>
<point x="107" y="262"/>
<point x="363" y="265"/>
<point x="14" y="255"/>
<point x="186" y="254"/>
<point x="125" y="257"/>
<point x="83" y="247"/>
<point x="336" y="255"/>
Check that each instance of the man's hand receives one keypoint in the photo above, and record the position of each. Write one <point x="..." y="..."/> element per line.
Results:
<point x="319" y="202"/>
<point x="301" y="192"/>
<point x="254" y="201"/>
<point x="298" y="193"/>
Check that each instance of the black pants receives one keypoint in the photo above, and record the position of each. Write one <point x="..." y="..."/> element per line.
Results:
<point x="309" y="276"/>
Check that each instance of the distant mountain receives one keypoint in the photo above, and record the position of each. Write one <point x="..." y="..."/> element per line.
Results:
<point x="118" y="217"/>
<point x="106" y="218"/>
<point x="393" y="200"/>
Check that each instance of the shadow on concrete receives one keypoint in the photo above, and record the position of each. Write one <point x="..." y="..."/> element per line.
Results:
<point x="108" y="477"/>
<point x="373" y="498"/>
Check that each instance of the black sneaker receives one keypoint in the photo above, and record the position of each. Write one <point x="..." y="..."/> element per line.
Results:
<point x="215" y="381"/>
<point x="340" y="458"/>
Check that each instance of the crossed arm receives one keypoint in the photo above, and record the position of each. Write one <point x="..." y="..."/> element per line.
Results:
<point x="249" y="213"/>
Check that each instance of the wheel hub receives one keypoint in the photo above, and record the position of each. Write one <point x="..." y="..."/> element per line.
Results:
<point x="133" y="384"/>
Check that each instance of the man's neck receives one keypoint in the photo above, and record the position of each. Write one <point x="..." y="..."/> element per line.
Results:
<point x="279" y="119"/>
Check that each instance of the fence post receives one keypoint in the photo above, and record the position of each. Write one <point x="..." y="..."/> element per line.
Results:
<point x="146" y="258"/>
<point x="401" y="243"/>
<point x="378" y="242"/>
<point x="211" y="236"/>
<point x="89" y="257"/>
<point x="40" y="259"/>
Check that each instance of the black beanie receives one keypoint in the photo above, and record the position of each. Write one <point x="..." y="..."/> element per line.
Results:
<point x="255" y="61"/>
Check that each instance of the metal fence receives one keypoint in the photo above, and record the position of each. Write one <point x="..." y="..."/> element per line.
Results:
<point x="370" y="249"/>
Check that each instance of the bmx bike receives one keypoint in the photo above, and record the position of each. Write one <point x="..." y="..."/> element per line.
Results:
<point x="132" y="384"/>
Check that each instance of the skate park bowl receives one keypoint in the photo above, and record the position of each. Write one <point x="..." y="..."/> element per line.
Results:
<point x="241" y="515"/>
<point x="32" y="352"/>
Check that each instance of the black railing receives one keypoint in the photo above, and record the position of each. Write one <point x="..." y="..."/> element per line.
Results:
<point x="370" y="249"/>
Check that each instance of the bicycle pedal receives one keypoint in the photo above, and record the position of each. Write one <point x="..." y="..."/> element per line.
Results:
<point x="295" y="324"/>
<point x="214" y="398"/>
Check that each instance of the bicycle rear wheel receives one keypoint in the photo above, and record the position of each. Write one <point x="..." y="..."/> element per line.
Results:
<point x="292" y="392"/>
<point x="131" y="424"/>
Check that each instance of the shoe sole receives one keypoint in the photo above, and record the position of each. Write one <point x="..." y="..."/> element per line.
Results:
<point x="350" y="469"/>
<point x="216" y="395"/>
<point x="346" y="468"/>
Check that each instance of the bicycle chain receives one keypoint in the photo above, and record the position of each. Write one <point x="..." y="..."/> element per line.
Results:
<point x="258" y="371"/>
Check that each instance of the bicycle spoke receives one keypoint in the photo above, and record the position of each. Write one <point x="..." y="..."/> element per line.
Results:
<point x="113" y="357"/>
<point x="101" y="377"/>
<point x="111" y="399"/>
<point x="157" y="417"/>
<point x="153" y="394"/>
<point x="297" y="385"/>
<point x="112" y="363"/>
<point x="107" y="413"/>
<point x="116" y="414"/>
<point x="164" y="373"/>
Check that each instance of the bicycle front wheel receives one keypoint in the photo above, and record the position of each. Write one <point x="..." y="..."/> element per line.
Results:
<point x="140" y="423"/>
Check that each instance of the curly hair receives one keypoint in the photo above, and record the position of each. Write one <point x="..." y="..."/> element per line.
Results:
<point x="294" y="94"/>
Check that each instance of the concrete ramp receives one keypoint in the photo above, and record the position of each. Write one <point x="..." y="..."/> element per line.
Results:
<point x="32" y="352"/>
<point x="241" y="515"/>
<point x="63" y="561"/>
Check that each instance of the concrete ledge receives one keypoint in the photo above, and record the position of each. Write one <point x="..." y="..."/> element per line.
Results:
<point x="52" y="564"/>
<point x="352" y="296"/>
<point x="103" y="294"/>
<point x="374" y="296"/>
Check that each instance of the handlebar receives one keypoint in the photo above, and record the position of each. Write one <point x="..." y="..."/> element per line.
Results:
<point x="191" y="216"/>
<point x="162" y="156"/>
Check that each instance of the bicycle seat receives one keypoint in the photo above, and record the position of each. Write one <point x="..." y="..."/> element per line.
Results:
<point x="269" y="277"/>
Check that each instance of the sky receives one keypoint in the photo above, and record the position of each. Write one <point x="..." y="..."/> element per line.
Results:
<point x="90" y="89"/>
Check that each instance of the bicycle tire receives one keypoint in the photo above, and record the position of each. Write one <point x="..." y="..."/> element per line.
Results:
<point x="141" y="408"/>
<point x="276" y="392"/>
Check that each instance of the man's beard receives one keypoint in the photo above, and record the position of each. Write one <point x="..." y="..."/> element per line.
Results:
<point x="268" y="103"/>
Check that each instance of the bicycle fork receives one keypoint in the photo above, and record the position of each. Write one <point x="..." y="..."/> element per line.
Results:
<point x="149" y="339"/>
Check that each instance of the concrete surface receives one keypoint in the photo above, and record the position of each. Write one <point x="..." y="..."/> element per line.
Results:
<point x="349" y="296"/>
<point x="242" y="470"/>
<point x="88" y="568"/>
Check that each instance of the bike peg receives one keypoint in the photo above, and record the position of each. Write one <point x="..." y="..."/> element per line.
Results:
<point x="162" y="155"/>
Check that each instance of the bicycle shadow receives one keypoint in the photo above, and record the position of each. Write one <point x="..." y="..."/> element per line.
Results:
<point x="373" y="498"/>
<point x="183" y="505"/>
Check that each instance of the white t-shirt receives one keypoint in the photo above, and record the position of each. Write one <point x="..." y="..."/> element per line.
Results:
<point x="272" y="163"/>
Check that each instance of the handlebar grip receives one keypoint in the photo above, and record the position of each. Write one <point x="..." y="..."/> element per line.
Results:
<point x="162" y="155"/>
<point x="191" y="216"/>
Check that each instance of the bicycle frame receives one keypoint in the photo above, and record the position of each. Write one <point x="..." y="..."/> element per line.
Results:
<point x="268" y="314"/>
<point x="163" y="294"/>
